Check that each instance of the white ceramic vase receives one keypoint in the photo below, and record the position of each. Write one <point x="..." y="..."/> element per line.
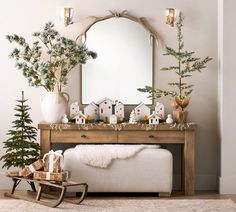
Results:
<point x="54" y="106"/>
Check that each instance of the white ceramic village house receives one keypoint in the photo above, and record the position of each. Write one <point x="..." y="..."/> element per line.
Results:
<point x="92" y="111"/>
<point x="80" y="118"/>
<point x="160" y="110"/>
<point x="119" y="111"/>
<point x="105" y="109"/>
<point x="153" y="118"/>
<point x="141" y="110"/>
<point x="74" y="109"/>
<point x="113" y="119"/>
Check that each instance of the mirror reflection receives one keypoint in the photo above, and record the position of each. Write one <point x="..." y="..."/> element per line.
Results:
<point x="124" y="62"/>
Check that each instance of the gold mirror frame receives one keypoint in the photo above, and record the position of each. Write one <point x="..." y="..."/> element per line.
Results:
<point x="124" y="14"/>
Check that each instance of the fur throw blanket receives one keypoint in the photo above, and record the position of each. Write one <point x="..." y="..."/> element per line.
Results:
<point x="102" y="155"/>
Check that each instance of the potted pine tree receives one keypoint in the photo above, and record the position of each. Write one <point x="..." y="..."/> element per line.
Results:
<point x="186" y="65"/>
<point x="46" y="63"/>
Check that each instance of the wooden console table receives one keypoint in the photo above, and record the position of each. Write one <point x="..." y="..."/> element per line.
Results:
<point x="162" y="134"/>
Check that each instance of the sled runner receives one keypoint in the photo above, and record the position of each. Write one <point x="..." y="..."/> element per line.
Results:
<point x="43" y="187"/>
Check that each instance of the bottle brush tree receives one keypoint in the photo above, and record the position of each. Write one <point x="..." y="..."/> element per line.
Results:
<point x="186" y="64"/>
<point x="21" y="146"/>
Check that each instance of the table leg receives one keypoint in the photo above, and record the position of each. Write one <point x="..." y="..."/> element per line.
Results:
<point x="189" y="163"/>
<point x="45" y="144"/>
<point x="182" y="169"/>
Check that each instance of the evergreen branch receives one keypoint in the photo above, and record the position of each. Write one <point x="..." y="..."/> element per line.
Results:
<point x="186" y="87"/>
<point x="169" y="68"/>
<point x="170" y="52"/>
<point x="187" y="93"/>
<point x="176" y="83"/>
<point x="186" y="75"/>
<point x="189" y="59"/>
<point x="156" y="93"/>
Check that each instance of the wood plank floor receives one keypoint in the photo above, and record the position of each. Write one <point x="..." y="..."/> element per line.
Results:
<point x="175" y="195"/>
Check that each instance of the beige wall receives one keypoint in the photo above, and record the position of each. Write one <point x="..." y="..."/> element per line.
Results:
<point x="200" y="31"/>
<point x="227" y="90"/>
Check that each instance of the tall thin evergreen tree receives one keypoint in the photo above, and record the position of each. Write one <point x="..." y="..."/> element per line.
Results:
<point x="185" y="65"/>
<point x="22" y="148"/>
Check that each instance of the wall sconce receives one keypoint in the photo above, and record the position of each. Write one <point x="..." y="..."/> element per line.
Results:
<point x="170" y="16"/>
<point x="67" y="16"/>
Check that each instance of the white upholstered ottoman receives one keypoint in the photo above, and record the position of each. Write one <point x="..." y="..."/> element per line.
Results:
<point x="150" y="170"/>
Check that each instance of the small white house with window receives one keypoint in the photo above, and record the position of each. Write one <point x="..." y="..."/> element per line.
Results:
<point x="141" y="111"/>
<point x="74" y="109"/>
<point x="153" y="118"/>
<point x="80" y="118"/>
<point x="113" y="119"/>
<point x="160" y="110"/>
<point x="119" y="111"/>
<point x="105" y="109"/>
<point x="92" y="111"/>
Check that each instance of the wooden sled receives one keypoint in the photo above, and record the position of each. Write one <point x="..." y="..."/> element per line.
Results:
<point x="44" y="185"/>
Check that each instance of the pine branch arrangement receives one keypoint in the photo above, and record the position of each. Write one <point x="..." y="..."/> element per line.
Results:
<point x="21" y="146"/>
<point x="62" y="55"/>
<point x="186" y="65"/>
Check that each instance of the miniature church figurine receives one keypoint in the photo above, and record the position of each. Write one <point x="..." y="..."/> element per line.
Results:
<point x="113" y="119"/>
<point x="92" y="111"/>
<point x="119" y="111"/>
<point x="64" y="119"/>
<point x="74" y="109"/>
<point x="105" y="109"/>
<point x="80" y="118"/>
<point x="141" y="110"/>
<point x="153" y="118"/>
<point x="160" y="110"/>
<point x="132" y="117"/>
<point x="169" y="119"/>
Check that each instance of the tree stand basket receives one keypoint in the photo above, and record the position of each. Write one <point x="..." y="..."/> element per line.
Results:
<point x="179" y="116"/>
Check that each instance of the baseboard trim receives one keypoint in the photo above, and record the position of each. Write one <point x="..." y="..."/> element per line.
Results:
<point x="228" y="184"/>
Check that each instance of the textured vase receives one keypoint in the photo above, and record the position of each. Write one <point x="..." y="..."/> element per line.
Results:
<point x="180" y="116"/>
<point x="54" y="106"/>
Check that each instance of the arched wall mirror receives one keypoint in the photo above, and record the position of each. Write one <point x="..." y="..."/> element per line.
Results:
<point x="125" y="47"/>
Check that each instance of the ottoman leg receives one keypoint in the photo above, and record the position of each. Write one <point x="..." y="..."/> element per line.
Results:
<point x="164" y="194"/>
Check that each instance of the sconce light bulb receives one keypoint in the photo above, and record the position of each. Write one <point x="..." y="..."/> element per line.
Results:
<point x="170" y="16"/>
<point x="67" y="15"/>
<point x="68" y="12"/>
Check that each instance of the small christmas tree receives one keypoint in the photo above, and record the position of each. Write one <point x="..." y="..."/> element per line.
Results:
<point x="21" y="147"/>
<point x="132" y="117"/>
<point x="185" y="65"/>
